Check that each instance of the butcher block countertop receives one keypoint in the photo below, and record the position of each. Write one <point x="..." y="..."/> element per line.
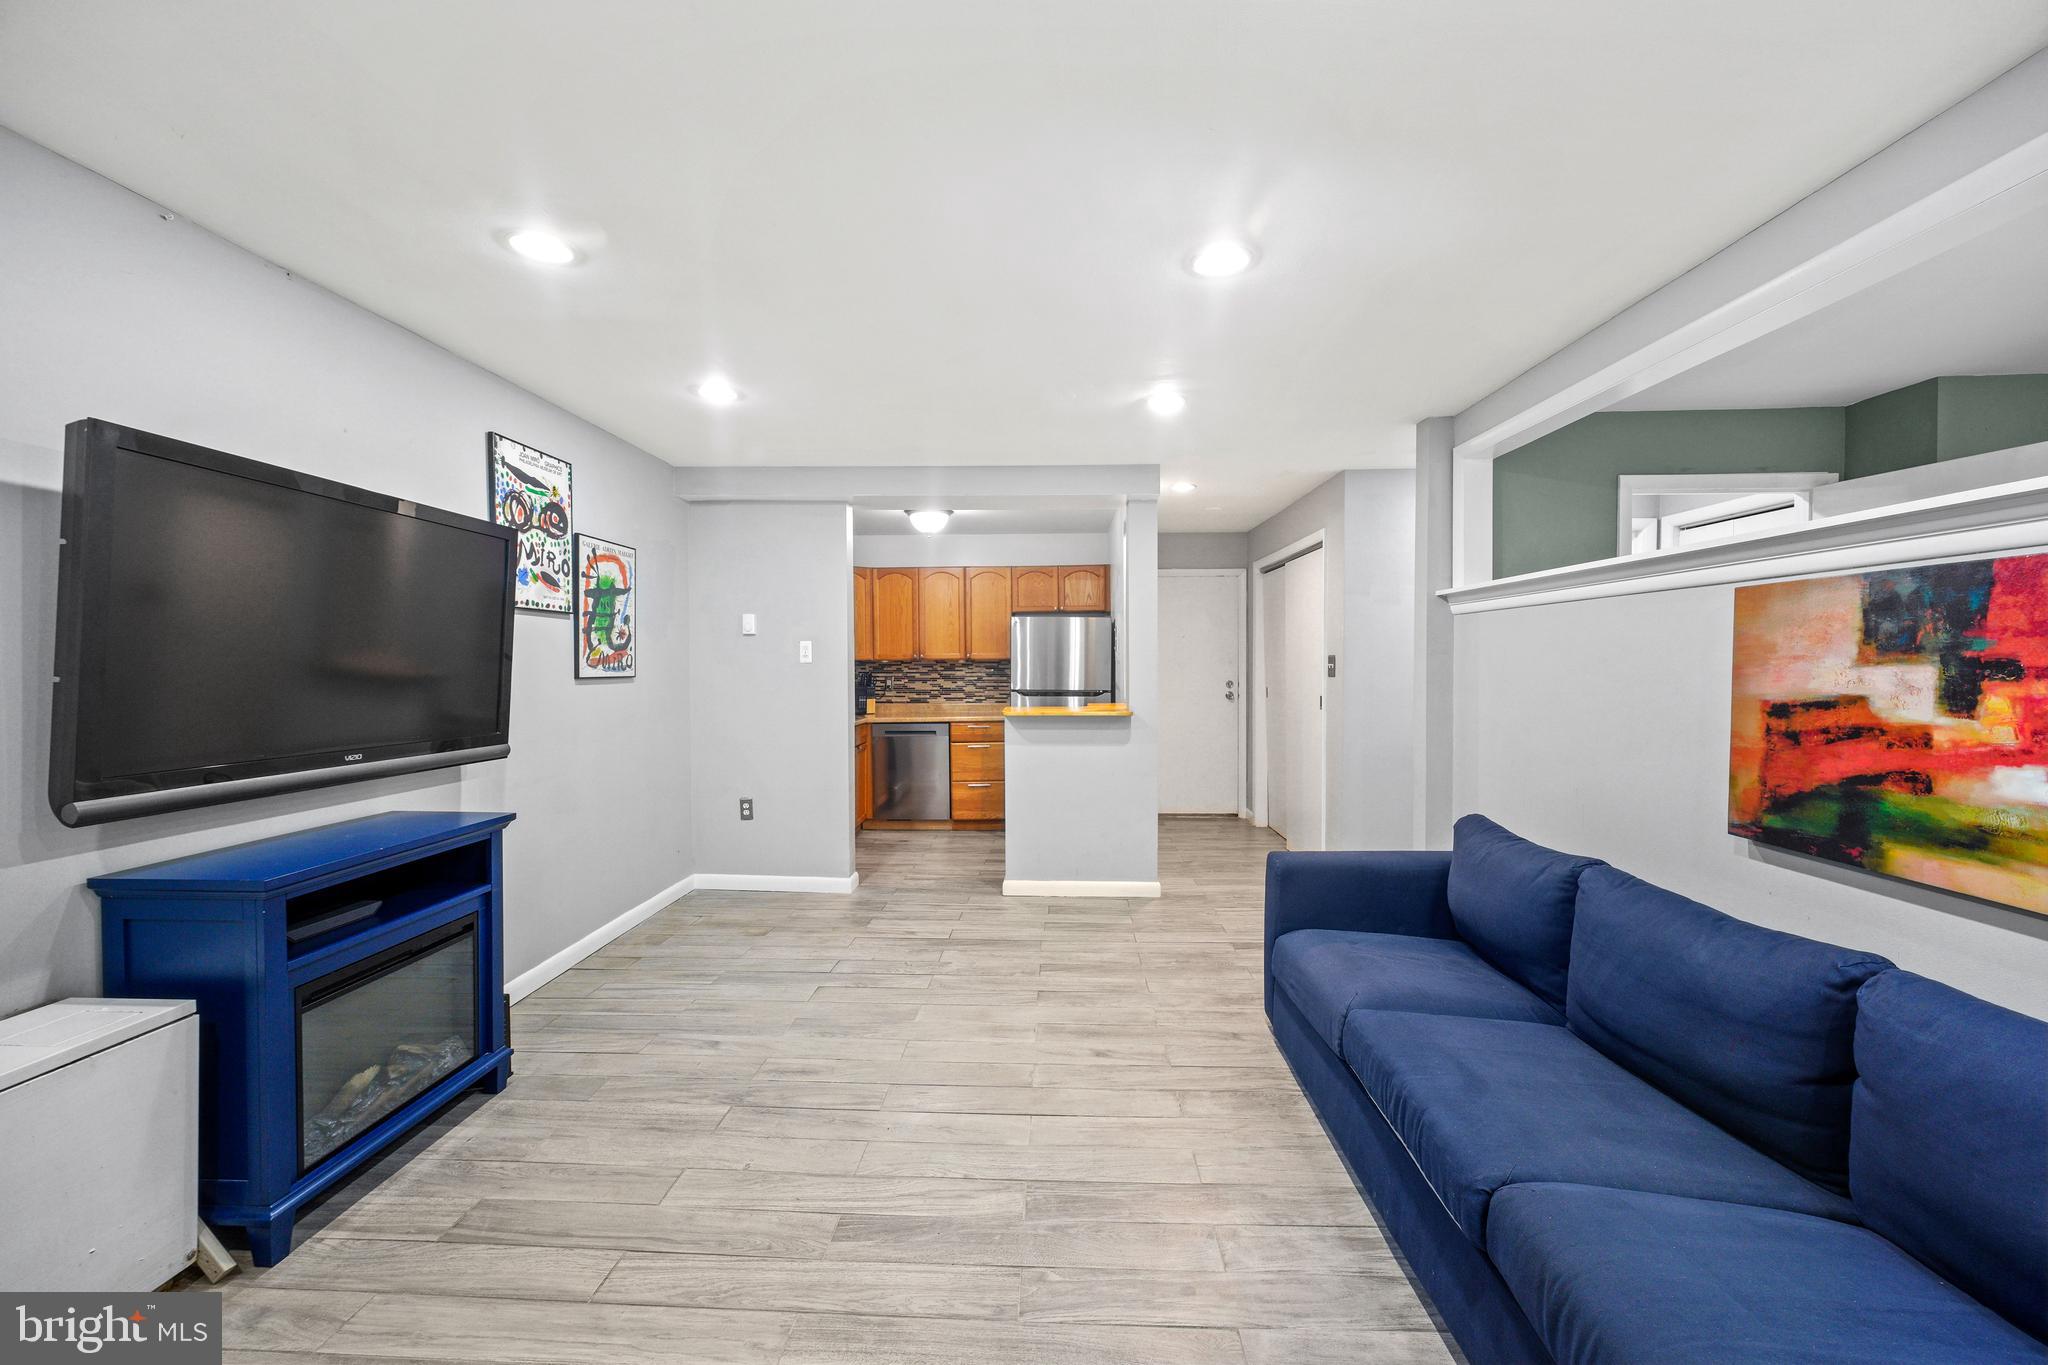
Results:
<point x="894" y="712"/>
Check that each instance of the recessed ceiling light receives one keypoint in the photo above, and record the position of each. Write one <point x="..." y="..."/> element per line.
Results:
<point x="542" y="248"/>
<point x="931" y="521"/>
<point x="1166" y="401"/>
<point x="1182" y="487"/>
<point x="1220" y="259"/>
<point x="718" y="391"/>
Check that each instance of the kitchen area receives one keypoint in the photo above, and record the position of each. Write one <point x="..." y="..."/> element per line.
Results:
<point x="948" y="656"/>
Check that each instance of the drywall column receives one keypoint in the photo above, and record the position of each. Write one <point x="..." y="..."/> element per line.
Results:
<point x="1433" y="634"/>
<point x="773" y="729"/>
<point x="1082" y="795"/>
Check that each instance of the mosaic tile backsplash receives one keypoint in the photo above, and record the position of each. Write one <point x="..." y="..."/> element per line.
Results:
<point x="942" y="680"/>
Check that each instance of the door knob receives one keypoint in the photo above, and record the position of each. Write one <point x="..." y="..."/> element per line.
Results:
<point x="1230" y="689"/>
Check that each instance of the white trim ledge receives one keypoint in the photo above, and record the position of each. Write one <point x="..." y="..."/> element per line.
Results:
<point x="741" y="881"/>
<point x="531" y="980"/>
<point x="1135" y="890"/>
<point x="1968" y="525"/>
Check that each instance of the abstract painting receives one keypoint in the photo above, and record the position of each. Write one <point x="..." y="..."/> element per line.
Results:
<point x="607" y="599"/>
<point x="531" y="493"/>
<point x="1898" y="721"/>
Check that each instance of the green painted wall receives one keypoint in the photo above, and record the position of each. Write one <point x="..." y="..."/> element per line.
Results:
<point x="1554" y="500"/>
<point x="1981" y="412"/>
<point x="1895" y="430"/>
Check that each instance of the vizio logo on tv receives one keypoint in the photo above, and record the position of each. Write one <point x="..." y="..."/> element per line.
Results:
<point x="171" y="1329"/>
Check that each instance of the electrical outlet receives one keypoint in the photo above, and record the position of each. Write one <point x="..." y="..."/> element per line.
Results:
<point x="803" y="651"/>
<point x="746" y="808"/>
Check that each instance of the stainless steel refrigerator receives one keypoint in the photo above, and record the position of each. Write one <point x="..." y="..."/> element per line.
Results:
<point x="1062" y="658"/>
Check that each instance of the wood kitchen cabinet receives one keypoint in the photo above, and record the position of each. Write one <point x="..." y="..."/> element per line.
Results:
<point x="941" y="613"/>
<point x="1084" y="587"/>
<point x="863" y="776"/>
<point x="1035" y="589"/>
<point x="863" y="614"/>
<point x="977" y="759"/>
<point x="962" y="613"/>
<point x="988" y="613"/>
<point x="895" y="613"/>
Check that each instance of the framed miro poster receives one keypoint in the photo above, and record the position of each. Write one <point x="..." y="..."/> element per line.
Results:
<point x="1898" y="721"/>
<point x="531" y="492"/>
<point x="607" y="605"/>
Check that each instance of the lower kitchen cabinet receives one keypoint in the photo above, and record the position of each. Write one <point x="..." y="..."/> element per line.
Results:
<point x="977" y="800"/>
<point x="863" y="776"/>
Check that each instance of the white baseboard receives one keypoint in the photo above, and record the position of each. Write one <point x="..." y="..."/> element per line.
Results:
<point x="1139" y="890"/>
<point x="527" y="982"/>
<point x="741" y="881"/>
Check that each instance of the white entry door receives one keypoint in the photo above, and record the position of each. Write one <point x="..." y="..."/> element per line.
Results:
<point x="1201" y="683"/>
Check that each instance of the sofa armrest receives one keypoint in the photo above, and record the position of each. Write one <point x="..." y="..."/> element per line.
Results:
<point x="1365" y="892"/>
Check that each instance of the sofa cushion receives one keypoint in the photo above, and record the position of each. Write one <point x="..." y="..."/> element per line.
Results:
<point x="1751" y="1027"/>
<point x="1948" y="1151"/>
<point x="1613" y="1276"/>
<point x="1512" y="901"/>
<point x="1482" y="1103"/>
<point x="1328" y="973"/>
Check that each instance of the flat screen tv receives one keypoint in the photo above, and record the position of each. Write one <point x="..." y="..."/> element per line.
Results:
<point x="229" y="629"/>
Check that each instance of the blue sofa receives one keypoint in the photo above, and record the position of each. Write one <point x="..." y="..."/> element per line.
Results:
<point x="1605" y="1123"/>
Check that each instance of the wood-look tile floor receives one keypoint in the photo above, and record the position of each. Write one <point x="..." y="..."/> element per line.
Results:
<point x="919" y="1123"/>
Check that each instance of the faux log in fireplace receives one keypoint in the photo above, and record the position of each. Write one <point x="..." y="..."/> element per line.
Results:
<point x="349" y="980"/>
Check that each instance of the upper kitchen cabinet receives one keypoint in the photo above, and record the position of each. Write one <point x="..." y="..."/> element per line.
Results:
<point x="1035" y="589"/>
<point x="941" y="613"/>
<point x="988" y="613"/>
<point x="1084" y="587"/>
<point x="895" y="613"/>
<point x="863" y="614"/>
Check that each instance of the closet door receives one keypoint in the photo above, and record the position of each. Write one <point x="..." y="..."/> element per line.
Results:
<point x="1306" y="713"/>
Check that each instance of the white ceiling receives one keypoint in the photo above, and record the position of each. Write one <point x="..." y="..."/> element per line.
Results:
<point x="950" y="231"/>
<point x="1981" y="308"/>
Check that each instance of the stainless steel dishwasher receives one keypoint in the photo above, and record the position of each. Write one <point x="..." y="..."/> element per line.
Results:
<point x="913" y="772"/>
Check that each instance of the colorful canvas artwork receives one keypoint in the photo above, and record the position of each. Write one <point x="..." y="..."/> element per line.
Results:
<point x="1898" y="721"/>
<point x="531" y="493"/>
<point x="607" y="600"/>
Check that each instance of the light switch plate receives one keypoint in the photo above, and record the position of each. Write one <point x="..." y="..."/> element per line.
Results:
<point x="803" y="651"/>
<point x="747" y="623"/>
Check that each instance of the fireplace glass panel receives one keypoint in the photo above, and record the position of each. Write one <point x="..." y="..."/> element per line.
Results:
<point x="377" y="1033"/>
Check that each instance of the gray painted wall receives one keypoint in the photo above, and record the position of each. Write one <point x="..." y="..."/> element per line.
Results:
<point x="1205" y="549"/>
<point x="1083" y="795"/>
<point x="1602" y="727"/>
<point x="112" y="312"/>
<point x="939" y="551"/>
<point x="1367" y="517"/>
<point x="762" y="724"/>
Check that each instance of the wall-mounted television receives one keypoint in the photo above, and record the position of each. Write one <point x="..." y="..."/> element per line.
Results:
<point x="229" y="629"/>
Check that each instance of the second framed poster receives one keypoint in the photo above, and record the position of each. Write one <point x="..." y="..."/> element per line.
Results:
<point x="607" y="603"/>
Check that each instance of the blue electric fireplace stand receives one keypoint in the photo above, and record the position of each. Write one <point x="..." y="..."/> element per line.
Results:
<point x="350" y="982"/>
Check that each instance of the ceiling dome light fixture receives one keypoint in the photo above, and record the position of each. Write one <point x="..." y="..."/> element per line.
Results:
<point x="1166" y="401"/>
<point x="931" y="521"/>
<point x="1220" y="259"/>
<point x="718" y="391"/>
<point x="542" y="248"/>
<point x="1182" y="487"/>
